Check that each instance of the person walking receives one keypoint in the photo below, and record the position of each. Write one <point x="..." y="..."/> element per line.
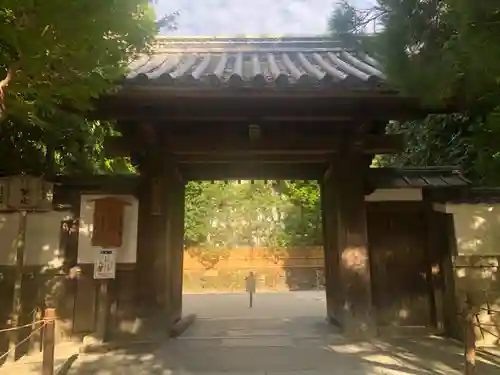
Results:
<point x="250" y="287"/>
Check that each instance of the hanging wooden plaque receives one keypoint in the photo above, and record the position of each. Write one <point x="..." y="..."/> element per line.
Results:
<point x="28" y="193"/>
<point x="109" y="215"/>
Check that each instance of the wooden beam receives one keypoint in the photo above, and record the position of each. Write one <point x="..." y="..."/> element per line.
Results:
<point x="158" y="108"/>
<point x="253" y="171"/>
<point x="310" y="145"/>
<point x="230" y="147"/>
<point x="251" y="158"/>
<point x="194" y="117"/>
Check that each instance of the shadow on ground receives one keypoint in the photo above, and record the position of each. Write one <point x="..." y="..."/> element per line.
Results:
<point x="273" y="354"/>
<point x="285" y="333"/>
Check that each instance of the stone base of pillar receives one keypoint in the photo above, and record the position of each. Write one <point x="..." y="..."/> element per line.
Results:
<point x="361" y="326"/>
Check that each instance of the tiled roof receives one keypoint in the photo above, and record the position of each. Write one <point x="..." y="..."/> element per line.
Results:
<point x="256" y="62"/>
<point x="435" y="177"/>
<point x="473" y="195"/>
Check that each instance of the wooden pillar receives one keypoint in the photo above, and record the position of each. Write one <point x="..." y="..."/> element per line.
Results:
<point x="166" y="231"/>
<point x="176" y="249"/>
<point x="152" y="256"/>
<point x="345" y="188"/>
<point x="432" y="266"/>
<point x="330" y="251"/>
<point x="17" y="306"/>
<point x="145" y="250"/>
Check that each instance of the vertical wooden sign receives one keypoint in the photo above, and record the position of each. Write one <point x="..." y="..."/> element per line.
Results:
<point x="109" y="215"/>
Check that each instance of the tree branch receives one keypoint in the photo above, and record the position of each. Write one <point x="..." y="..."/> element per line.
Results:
<point x="5" y="82"/>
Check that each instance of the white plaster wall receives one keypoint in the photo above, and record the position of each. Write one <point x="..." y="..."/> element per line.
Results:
<point x="9" y="227"/>
<point x="43" y="234"/>
<point x="400" y="195"/>
<point x="127" y="253"/>
<point x="43" y="230"/>
<point x="477" y="228"/>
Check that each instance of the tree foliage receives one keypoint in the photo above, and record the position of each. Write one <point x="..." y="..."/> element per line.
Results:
<point x="442" y="51"/>
<point x="64" y="53"/>
<point x="447" y="47"/>
<point x="55" y="58"/>
<point x="230" y="214"/>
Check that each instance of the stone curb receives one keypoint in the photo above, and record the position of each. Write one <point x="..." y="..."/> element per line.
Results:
<point x="106" y="347"/>
<point x="61" y="369"/>
<point x="182" y="325"/>
<point x="66" y="366"/>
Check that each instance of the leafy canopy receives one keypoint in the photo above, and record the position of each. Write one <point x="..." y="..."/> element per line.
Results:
<point x="64" y="53"/>
<point x="275" y="213"/>
<point x="439" y="50"/>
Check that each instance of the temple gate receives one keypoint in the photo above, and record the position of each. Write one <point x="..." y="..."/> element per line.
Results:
<point x="257" y="108"/>
<point x="289" y="108"/>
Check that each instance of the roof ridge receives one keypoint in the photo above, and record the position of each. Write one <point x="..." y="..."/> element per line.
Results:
<point x="256" y="37"/>
<point x="277" y="42"/>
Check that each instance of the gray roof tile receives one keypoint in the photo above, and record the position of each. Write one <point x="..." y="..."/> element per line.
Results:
<point x="254" y="62"/>
<point x="431" y="177"/>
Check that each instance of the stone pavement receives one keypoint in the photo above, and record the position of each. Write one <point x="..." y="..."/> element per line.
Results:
<point x="65" y="354"/>
<point x="275" y="347"/>
<point x="277" y="338"/>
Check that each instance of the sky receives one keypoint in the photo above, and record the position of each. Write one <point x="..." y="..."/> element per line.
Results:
<point x="251" y="17"/>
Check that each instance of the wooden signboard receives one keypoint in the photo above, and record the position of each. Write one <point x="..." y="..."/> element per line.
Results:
<point x="26" y="193"/>
<point x="105" y="265"/>
<point x="109" y="215"/>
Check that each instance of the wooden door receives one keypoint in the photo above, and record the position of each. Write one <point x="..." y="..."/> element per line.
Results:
<point x="399" y="263"/>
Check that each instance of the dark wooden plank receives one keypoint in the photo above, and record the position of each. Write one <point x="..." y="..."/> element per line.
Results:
<point x="85" y="305"/>
<point x="330" y="248"/>
<point x="252" y="158"/>
<point x="399" y="265"/>
<point x="354" y="265"/>
<point x="155" y="104"/>
<point x="276" y="145"/>
<point x="281" y="145"/>
<point x="255" y="171"/>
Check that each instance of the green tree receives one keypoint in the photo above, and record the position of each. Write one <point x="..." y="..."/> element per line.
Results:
<point x="271" y="214"/>
<point x="444" y="52"/>
<point x="302" y="220"/>
<point x="55" y="57"/>
<point x="448" y="46"/>
<point x="57" y="53"/>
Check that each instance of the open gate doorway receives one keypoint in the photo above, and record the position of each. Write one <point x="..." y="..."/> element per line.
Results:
<point x="270" y="228"/>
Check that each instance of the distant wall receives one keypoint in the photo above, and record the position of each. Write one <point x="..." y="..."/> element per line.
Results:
<point x="276" y="269"/>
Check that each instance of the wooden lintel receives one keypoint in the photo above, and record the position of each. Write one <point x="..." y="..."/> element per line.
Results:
<point x="158" y="107"/>
<point x="255" y="171"/>
<point x="190" y="118"/>
<point x="252" y="158"/>
<point x="316" y="145"/>
<point x="230" y="147"/>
